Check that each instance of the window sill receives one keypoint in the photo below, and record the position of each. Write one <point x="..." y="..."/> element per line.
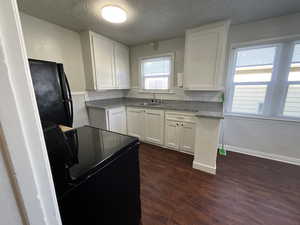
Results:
<point x="170" y="91"/>
<point x="248" y="116"/>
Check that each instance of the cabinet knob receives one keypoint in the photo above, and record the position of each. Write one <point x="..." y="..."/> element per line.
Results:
<point x="182" y="124"/>
<point x="177" y="124"/>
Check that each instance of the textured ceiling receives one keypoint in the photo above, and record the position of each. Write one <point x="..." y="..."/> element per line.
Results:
<point x="151" y="20"/>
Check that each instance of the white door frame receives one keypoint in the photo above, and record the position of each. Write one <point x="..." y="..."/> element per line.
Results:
<point x="21" y="124"/>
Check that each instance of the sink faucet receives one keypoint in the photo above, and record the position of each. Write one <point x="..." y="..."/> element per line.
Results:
<point x="154" y="98"/>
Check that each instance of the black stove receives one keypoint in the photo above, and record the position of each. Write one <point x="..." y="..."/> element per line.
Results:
<point x="96" y="175"/>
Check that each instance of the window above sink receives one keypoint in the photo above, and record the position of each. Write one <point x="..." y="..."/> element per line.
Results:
<point x="156" y="73"/>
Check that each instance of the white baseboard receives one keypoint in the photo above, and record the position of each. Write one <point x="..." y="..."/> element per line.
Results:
<point x="204" y="168"/>
<point x="280" y="158"/>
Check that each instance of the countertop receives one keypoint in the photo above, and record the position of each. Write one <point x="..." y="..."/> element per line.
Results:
<point x="201" y="109"/>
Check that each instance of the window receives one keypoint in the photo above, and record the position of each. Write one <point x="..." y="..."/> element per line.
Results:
<point x="156" y="72"/>
<point x="292" y="102"/>
<point x="265" y="81"/>
<point x="252" y="76"/>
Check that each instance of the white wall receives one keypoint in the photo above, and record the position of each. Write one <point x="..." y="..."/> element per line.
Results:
<point x="47" y="41"/>
<point x="266" y="138"/>
<point x="265" y="29"/>
<point x="279" y="140"/>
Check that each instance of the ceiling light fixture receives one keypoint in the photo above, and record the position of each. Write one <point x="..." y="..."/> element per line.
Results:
<point x="114" y="14"/>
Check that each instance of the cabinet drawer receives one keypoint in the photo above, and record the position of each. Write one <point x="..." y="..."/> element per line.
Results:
<point x="181" y="117"/>
<point x="136" y="110"/>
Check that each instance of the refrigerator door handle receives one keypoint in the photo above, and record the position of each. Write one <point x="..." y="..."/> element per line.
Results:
<point x="70" y="102"/>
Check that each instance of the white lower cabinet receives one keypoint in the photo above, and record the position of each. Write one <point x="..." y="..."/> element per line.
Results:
<point x="172" y="134"/>
<point x="117" y="120"/>
<point x="187" y="134"/>
<point x="154" y="126"/>
<point x="136" y="122"/>
<point x="146" y="124"/>
<point x="173" y="130"/>
<point x="180" y="132"/>
<point x="109" y="119"/>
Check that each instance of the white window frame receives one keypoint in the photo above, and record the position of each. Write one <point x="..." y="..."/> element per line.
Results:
<point x="287" y="83"/>
<point x="277" y="87"/>
<point x="171" y="77"/>
<point x="231" y="84"/>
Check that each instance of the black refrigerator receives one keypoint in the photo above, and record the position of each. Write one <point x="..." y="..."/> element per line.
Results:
<point x="52" y="92"/>
<point x="95" y="172"/>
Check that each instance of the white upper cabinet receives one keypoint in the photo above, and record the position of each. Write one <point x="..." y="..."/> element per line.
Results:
<point x="122" y="66"/>
<point x="106" y="62"/>
<point x="103" y="62"/>
<point x="205" y="52"/>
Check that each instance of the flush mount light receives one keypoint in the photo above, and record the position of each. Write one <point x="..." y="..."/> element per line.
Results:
<point x="114" y="14"/>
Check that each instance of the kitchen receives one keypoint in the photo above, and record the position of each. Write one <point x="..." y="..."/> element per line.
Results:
<point x="185" y="115"/>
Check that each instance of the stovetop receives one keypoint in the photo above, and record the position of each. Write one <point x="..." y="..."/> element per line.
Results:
<point x="92" y="146"/>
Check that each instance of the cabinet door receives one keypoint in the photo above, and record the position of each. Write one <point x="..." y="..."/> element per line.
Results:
<point x="172" y="134"/>
<point x="187" y="136"/>
<point x="117" y="120"/>
<point x="136" y="122"/>
<point x="103" y="61"/>
<point x="205" y="56"/>
<point x="154" y="126"/>
<point x="122" y="66"/>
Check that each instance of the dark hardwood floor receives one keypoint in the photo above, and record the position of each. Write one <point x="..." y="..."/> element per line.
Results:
<point x="246" y="190"/>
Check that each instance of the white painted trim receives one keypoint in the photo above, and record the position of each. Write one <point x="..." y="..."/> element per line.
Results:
<point x="186" y="152"/>
<point x="78" y="93"/>
<point x="21" y="125"/>
<point x="259" y="154"/>
<point x="254" y="117"/>
<point x="204" y="168"/>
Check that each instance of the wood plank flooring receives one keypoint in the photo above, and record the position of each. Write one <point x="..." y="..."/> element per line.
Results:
<point x="246" y="190"/>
